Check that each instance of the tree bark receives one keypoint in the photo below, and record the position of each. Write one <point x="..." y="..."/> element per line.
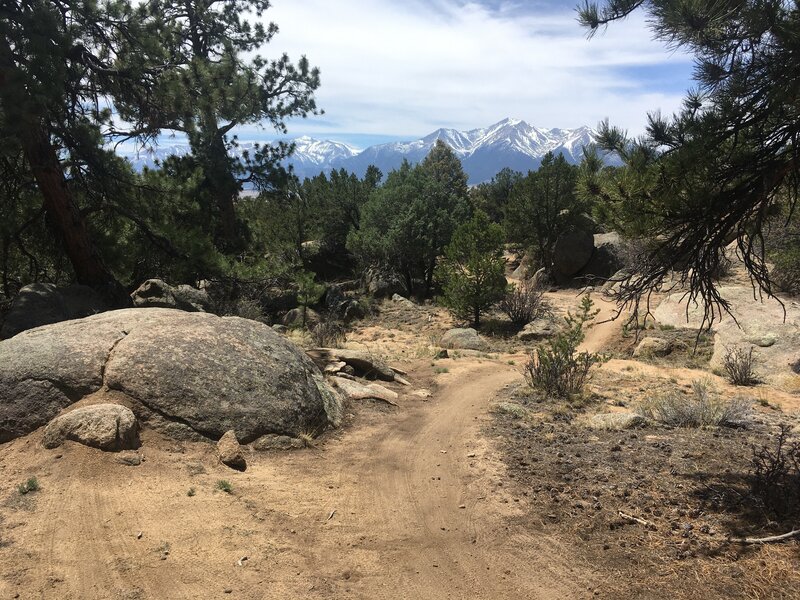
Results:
<point x="65" y="217"/>
<point x="221" y="184"/>
<point x="63" y="214"/>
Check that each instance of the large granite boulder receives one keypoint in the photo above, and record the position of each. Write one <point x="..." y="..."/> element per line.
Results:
<point x="104" y="426"/>
<point x="382" y="284"/>
<point x="155" y="293"/>
<point x="185" y="373"/>
<point x="40" y="304"/>
<point x="760" y="323"/>
<point x="606" y="257"/>
<point x="572" y="252"/>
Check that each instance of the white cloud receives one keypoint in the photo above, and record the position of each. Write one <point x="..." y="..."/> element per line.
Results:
<point x="404" y="69"/>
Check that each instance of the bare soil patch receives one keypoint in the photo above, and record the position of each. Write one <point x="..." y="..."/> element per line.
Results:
<point x="691" y="487"/>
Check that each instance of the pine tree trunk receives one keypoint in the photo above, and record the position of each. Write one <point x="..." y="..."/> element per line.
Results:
<point x="65" y="217"/>
<point x="429" y="278"/>
<point x="63" y="214"/>
<point x="221" y="185"/>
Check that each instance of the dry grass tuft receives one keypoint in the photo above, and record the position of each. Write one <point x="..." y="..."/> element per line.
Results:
<point x="702" y="408"/>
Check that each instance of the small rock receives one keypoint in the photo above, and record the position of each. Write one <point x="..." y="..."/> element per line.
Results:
<point x="230" y="452"/>
<point x="398" y="299"/>
<point x="463" y="339"/>
<point x="131" y="459"/>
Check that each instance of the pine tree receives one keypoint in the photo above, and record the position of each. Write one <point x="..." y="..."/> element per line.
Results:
<point x="216" y="82"/>
<point x="717" y="170"/>
<point x="409" y="220"/>
<point x="56" y="66"/>
<point x="542" y="205"/>
<point x="472" y="272"/>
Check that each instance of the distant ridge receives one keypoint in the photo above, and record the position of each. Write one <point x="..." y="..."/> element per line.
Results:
<point x="509" y="143"/>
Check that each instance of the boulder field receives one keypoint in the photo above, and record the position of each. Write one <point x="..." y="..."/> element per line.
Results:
<point x="190" y="375"/>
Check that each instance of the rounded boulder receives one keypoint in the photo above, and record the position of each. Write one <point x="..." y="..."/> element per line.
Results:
<point x="191" y="372"/>
<point x="104" y="426"/>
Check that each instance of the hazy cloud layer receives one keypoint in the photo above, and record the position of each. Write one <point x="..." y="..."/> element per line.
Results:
<point x="405" y="68"/>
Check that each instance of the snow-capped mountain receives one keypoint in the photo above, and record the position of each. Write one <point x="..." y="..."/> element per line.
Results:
<point x="483" y="152"/>
<point x="310" y="155"/>
<point x="319" y="155"/>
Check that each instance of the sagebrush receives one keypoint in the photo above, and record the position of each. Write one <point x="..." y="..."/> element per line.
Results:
<point x="523" y="302"/>
<point x="739" y="365"/>
<point x="703" y="407"/>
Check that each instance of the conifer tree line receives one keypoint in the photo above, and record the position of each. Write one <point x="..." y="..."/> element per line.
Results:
<point x="79" y="76"/>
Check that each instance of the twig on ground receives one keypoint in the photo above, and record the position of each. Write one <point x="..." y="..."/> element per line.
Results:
<point x="636" y="519"/>
<point x="766" y="540"/>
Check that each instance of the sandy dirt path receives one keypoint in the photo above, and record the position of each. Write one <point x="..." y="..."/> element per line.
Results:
<point x="410" y="503"/>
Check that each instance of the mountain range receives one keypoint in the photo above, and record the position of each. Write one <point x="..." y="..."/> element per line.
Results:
<point x="483" y="152"/>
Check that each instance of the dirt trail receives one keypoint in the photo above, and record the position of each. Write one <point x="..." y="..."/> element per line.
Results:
<point x="436" y="489"/>
<point x="409" y="504"/>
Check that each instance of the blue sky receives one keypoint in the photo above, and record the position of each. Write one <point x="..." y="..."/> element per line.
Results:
<point x="398" y="70"/>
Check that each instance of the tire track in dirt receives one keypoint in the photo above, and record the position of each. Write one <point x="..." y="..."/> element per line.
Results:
<point x="436" y="516"/>
<point x="397" y="481"/>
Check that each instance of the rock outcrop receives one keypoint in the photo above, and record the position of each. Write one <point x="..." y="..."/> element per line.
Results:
<point x="539" y="329"/>
<point x="580" y="256"/>
<point x="382" y="284"/>
<point x="354" y="390"/>
<point x="155" y="293"/>
<point x="762" y="324"/>
<point x="364" y="364"/>
<point x="104" y="426"/>
<point x="40" y="304"/>
<point x="191" y="372"/>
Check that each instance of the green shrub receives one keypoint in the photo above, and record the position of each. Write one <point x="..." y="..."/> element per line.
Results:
<point x="472" y="270"/>
<point x="32" y="485"/>
<point x="558" y="369"/>
<point x="225" y="486"/>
